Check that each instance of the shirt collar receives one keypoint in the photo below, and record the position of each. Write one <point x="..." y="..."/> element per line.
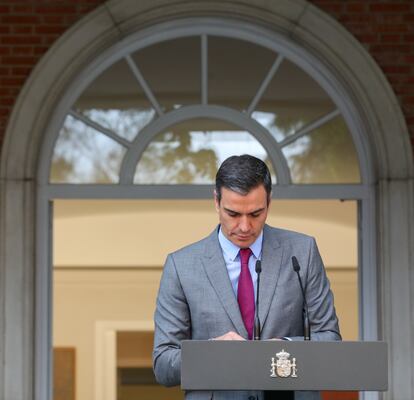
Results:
<point x="231" y="251"/>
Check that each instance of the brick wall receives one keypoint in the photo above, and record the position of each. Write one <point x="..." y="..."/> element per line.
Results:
<point x="29" y="27"/>
<point x="386" y="30"/>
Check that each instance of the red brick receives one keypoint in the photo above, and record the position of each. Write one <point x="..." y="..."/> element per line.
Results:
<point x="25" y="40"/>
<point x="390" y="18"/>
<point x="4" y="71"/>
<point x="4" y="9"/>
<point x="398" y="49"/>
<point x="396" y="69"/>
<point x="23" y="8"/>
<point x="22" y="29"/>
<point x="12" y="81"/>
<point x="56" y="9"/>
<point x="392" y="28"/>
<point x="390" y="38"/>
<point x="15" y="60"/>
<point x="19" y="19"/>
<point x="5" y="50"/>
<point x="50" y="29"/>
<point x="408" y="17"/>
<point x="390" y="7"/>
<point x="357" y="7"/>
<point x="53" y="19"/>
<point x="22" y="50"/>
<point x="408" y="99"/>
<point x="21" y="71"/>
<point x="409" y="38"/>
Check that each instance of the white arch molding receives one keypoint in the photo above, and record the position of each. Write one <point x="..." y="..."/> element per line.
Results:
<point x="25" y="245"/>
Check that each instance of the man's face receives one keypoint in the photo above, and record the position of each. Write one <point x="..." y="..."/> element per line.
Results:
<point x="242" y="217"/>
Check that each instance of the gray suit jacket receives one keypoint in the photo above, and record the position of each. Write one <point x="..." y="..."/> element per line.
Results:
<point x="196" y="300"/>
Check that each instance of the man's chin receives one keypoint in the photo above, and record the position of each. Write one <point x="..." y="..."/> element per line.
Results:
<point x="243" y="242"/>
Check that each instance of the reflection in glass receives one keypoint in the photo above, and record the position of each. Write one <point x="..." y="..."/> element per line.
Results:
<point x="326" y="155"/>
<point x="116" y="101"/>
<point x="172" y="71"/>
<point x="192" y="151"/>
<point x="84" y="155"/>
<point x="291" y="101"/>
<point x="125" y="123"/>
<point x="236" y="69"/>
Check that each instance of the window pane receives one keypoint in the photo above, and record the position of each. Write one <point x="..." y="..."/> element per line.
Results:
<point x="192" y="151"/>
<point x="84" y="155"/>
<point x="125" y="123"/>
<point x="292" y="100"/>
<point x="172" y="70"/>
<point x="235" y="70"/>
<point x="116" y="101"/>
<point x="326" y="155"/>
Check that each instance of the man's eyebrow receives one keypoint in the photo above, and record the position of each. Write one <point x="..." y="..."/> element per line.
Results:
<point x="250" y="213"/>
<point x="230" y="210"/>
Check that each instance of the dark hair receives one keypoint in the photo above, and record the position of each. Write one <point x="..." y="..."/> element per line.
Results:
<point x="241" y="174"/>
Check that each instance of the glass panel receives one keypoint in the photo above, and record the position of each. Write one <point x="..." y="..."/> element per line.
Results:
<point x="191" y="152"/>
<point x="172" y="70"/>
<point x="116" y="101"/>
<point x="107" y="269"/>
<point x="292" y="100"/>
<point x="84" y="155"/>
<point x="126" y="123"/>
<point x="235" y="71"/>
<point x="327" y="155"/>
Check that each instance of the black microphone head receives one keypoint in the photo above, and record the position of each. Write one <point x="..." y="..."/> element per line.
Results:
<point x="295" y="264"/>
<point x="258" y="267"/>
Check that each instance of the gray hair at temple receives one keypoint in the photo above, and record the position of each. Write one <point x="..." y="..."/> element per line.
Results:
<point x="241" y="174"/>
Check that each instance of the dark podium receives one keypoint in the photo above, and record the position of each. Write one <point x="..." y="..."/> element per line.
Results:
<point x="284" y="365"/>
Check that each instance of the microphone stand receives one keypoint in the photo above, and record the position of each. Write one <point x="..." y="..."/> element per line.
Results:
<point x="257" y="328"/>
<point x="306" y="324"/>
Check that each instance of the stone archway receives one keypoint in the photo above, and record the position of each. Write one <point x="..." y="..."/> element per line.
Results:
<point x="379" y="115"/>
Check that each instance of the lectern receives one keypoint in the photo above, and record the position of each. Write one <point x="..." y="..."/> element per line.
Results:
<point x="283" y="365"/>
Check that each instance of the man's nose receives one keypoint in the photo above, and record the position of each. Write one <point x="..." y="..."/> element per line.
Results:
<point x="244" y="224"/>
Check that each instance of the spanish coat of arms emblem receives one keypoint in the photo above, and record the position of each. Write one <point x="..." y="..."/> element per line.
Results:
<point x="283" y="367"/>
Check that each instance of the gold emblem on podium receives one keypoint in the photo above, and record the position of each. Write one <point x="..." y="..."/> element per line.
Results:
<point x="283" y="367"/>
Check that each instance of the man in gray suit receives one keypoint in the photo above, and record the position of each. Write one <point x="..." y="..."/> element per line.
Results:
<point x="207" y="289"/>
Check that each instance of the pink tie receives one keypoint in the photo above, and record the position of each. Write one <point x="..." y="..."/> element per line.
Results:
<point x="245" y="292"/>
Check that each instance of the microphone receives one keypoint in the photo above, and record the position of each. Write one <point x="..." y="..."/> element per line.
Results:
<point x="306" y="324"/>
<point x="256" y="333"/>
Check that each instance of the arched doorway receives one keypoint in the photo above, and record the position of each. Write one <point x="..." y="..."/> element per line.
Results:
<point x="356" y="107"/>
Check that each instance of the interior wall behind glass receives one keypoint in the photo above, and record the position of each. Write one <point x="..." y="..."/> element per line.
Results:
<point x="108" y="258"/>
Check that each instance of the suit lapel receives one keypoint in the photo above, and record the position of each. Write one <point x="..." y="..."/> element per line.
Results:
<point x="216" y="271"/>
<point x="272" y="254"/>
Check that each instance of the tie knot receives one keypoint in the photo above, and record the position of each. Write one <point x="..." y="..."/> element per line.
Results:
<point x="245" y="255"/>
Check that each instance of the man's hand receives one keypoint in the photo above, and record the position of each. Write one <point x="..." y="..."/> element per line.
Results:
<point x="229" y="336"/>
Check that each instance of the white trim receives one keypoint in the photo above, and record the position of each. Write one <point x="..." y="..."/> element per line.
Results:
<point x="105" y="354"/>
<point x="265" y="83"/>
<point x="68" y="191"/>
<point x="237" y="118"/>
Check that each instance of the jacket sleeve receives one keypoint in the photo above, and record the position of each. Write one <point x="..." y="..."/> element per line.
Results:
<point x="322" y="315"/>
<point x="172" y="325"/>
